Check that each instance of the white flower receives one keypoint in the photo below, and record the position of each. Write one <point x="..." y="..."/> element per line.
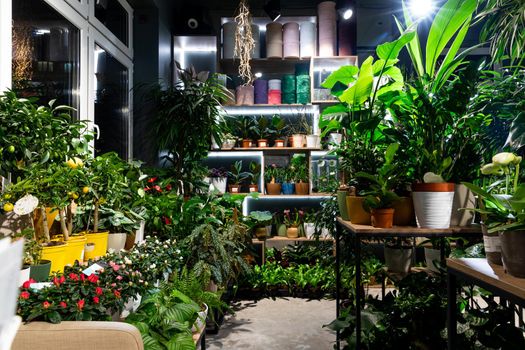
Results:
<point x="111" y="250"/>
<point x="152" y="266"/>
<point x="127" y="261"/>
<point x="177" y="251"/>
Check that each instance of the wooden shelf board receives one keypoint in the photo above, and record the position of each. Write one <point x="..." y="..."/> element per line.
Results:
<point x="288" y="196"/>
<point x="286" y="239"/>
<point x="270" y="149"/>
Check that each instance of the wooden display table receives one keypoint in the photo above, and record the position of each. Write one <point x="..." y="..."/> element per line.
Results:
<point x="361" y="232"/>
<point x="199" y="338"/>
<point x="488" y="276"/>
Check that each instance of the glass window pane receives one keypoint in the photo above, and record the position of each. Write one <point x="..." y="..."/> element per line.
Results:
<point x="114" y="16"/>
<point x="46" y="53"/>
<point x="111" y="103"/>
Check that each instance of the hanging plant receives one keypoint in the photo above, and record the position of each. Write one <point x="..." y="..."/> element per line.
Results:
<point x="244" y="42"/>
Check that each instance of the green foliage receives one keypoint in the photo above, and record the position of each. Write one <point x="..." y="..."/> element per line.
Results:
<point x="259" y="218"/>
<point x="255" y="172"/>
<point x="298" y="169"/>
<point x="236" y="175"/>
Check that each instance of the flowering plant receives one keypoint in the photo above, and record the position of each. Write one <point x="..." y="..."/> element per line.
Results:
<point x="71" y="297"/>
<point x="218" y="172"/>
<point x="293" y="219"/>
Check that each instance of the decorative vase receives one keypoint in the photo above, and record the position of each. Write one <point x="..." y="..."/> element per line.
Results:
<point x="398" y="259"/>
<point x="404" y="212"/>
<point x="55" y="252"/>
<point x="254" y="188"/>
<point x="246" y="143"/>
<point x="313" y="141"/>
<point x="492" y="244"/>
<point x="99" y="241"/>
<point x="262" y="143"/>
<point x="327" y="19"/>
<point x="228" y="39"/>
<point x="273" y="188"/>
<point x="432" y="258"/>
<point x="292" y="232"/>
<point x="291" y="39"/>
<point x="281" y="230"/>
<point x="512" y="248"/>
<point x="308" y="39"/>
<point x="463" y="198"/>
<point x="433" y="204"/>
<point x="382" y="218"/>
<point x="116" y="241"/>
<point x="298" y="141"/>
<point x="40" y="272"/>
<point x="234" y="188"/>
<point x="274" y="40"/>
<point x="244" y="95"/>
<point x="356" y="213"/>
<point x="302" y="188"/>
<point x="287" y="188"/>
<point x="261" y="91"/>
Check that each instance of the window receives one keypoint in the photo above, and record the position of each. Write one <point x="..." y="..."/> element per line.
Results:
<point x="114" y="16"/>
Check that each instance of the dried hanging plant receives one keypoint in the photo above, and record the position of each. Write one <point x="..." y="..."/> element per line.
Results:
<point x="244" y="42"/>
<point x="22" y="55"/>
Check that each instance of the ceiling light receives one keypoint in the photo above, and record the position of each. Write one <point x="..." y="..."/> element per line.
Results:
<point x="421" y="8"/>
<point x="42" y="31"/>
<point x="273" y="9"/>
<point x="346" y="14"/>
<point x="258" y="74"/>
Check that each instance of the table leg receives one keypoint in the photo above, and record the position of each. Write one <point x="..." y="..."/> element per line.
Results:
<point x="358" y="291"/>
<point x="337" y="279"/>
<point x="442" y="251"/>
<point x="203" y="341"/>
<point x="451" y="310"/>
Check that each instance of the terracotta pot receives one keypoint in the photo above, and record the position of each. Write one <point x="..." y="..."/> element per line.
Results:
<point x="302" y="188"/>
<point x="463" y="198"/>
<point x="492" y="244"/>
<point x="261" y="232"/>
<point x="234" y="188"/>
<point x="292" y="232"/>
<point x="246" y="143"/>
<point x="382" y="218"/>
<point x="273" y="188"/>
<point x="356" y="213"/>
<point x="398" y="259"/>
<point x="512" y="248"/>
<point x="404" y="212"/>
<point x="254" y="188"/>
<point x="433" y="204"/>
<point x="262" y="143"/>
<point x="278" y="143"/>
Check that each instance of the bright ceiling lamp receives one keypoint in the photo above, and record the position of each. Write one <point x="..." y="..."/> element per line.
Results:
<point x="421" y="8"/>
<point x="345" y="9"/>
<point x="273" y="9"/>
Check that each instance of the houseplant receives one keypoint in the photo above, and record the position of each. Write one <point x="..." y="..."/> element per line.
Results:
<point x="255" y="174"/>
<point x="259" y="222"/>
<point x="380" y="197"/>
<point x="299" y="169"/>
<point x="236" y="176"/>
<point x="261" y="128"/>
<point x="272" y="176"/>
<point x="218" y="179"/>
<point x="279" y="128"/>
<point x="292" y="221"/>
<point x="243" y="128"/>
<point x="288" y="179"/>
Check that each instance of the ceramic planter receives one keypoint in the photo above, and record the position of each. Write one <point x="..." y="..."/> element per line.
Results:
<point x="298" y="141"/>
<point x="309" y="230"/>
<point x="200" y="322"/>
<point x="288" y="188"/>
<point x="313" y="141"/>
<point x="278" y="143"/>
<point x="24" y="275"/>
<point x="404" y="212"/>
<point x="254" y="188"/>
<point x="492" y="244"/>
<point x="116" y="241"/>
<point x="432" y="258"/>
<point x="99" y="241"/>
<point x="55" y="252"/>
<point x="463" y="198"/>
<point x="273" y="188"/>
<point x="398" y="259"/>
<point x="75" y="249"/>
<point x="382" y="218"/>
<point x="292" y="232"/>
<point x="228" y="144"/>
<point x="433" y="204"/>
<point x="281" y="230"/>
<point x="341" y="202"/>
<point x="214" y="144"/>
<point x="262" y="143"/>
<point x="219" y="184"/>
<point x="302" y="188"/>
<point x="261" y="232"/>
<point x="512" y="248"/>
<point x="234" y="188"/>
<point x="246" y="143"/>
<point x="356" y="213"/>
<point x="40" y="272"/>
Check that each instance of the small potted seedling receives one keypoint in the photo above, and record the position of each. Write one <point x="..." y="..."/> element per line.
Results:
<point x="237" y="176"/>
<point x="262" y="130"/>
<point x="255" y="173"/>
<point x="279" y="130"/>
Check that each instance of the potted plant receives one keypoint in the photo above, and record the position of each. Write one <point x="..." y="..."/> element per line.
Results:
<point x="237" y="176"/>
<point x="292" y="221"/>
<point x="299" y="131"/>
<point x="38" y="269"/>
<point x="288" y="177"/>
<point x="272" y="176"/>
<point x="259" y="221"/>
<point x="380" y="198"/>
<point x="299" y="169"/>
<point x="398" y="255"/>
<point x="255" y="174"/>
<point x="244" y="126"/>
<point x="262" y="131"/>
<point x="279" y="130"/>
<point x="119" y="223"/>
<point x="218" y="179"/>
<point x="309" y="224"/>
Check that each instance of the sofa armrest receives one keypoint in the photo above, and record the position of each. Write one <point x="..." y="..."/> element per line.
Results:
<point x="77" y="335"/>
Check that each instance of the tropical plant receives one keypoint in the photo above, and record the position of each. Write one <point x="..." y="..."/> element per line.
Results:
<point x="259" y="219"/>
<point x="244" y="126"/>
<point x="255" y="172"/>
<point x="298" y="168"/>
<point x="279" y="127"/>
<point x="261" y="128"/>
<point x="293" y="219"/>
<point x="236" y="174"/>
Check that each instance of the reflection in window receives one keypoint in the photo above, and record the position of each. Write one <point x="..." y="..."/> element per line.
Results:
<point x="114" y="16"/>
<point x="111" y="103"/>
<point x="46" y="53"/>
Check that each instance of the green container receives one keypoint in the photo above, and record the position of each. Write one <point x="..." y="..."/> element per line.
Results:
<point x="303" y="89"/>
<point x="341" y="201"/>
<point x="281" y="230"/>
<point x="40" y="272"/>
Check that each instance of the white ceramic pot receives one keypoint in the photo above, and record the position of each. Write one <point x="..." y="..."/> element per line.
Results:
<point x="200" y="322"/>
<point x="309" y="230"/>
<point x="116" y="241"/>
<point x="24" y="276"/>
<point x="219" y="184"/>
<point x="228" y="144"/>
<point x="325" y="233"/>
<point x="463" y="198"/>
<point x="433" y="204"/>
<point x="312" y="141"/>
<point x="214" y="144"/>
<point x="432" y="258"/>
<point x="297" y="141"/>
<point x="139" y="234"/>
<point x="131" y="306"/>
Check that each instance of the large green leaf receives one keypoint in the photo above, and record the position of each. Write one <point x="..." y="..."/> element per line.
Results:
<point x="383" y="65"/>
<point x="358" y="93"/>
<point x="516" y="138"/>
<point x="449" y="19"/>
<point x="413" y="47"/>
<point x="390" y="51"/>
<point x="344" y="75"/>
<point x="456" y="44"/>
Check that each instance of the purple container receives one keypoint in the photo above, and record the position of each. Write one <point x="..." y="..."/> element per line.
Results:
<point x="261" y="91"/>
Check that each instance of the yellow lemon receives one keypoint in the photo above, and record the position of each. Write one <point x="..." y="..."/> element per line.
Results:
<point x="8" y="207"/>
<point x="85" y="189"/>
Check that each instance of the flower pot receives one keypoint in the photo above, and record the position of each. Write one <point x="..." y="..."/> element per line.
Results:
<point x="356" y="213"/>
<point x="298" y="141"/>
<point x="200" y="322"/>
<point x="228" y="144"/>
<point x="254" y="188"/>
<point x="432" y="258"/>
<point x="214" y="144"/>
<point x="130" y="240"/>
<point x="382" y="218"/>
<point x="512" y="248"/>
<point x="24" y="275"/>
<point x="281" y="230"/>
<point x="234" y="188"/>
<point x="492" y="244"/>
<point x="292" y="232"/>
<point x="262" y="143"/>
<point x="278" y="143"/>
<point x="302" y="188"/>
<point x="341" y="202"/>
<point x="75" y="249"/>
<point x="463" y="198"/>
<point x="116" y="241"/>
<point x="40" y="272"/>
<point x="246" y="143"/>
<point x="218" y="184"/>
<point x="287" y="188"/>
<point x="313" y="141"/>
<point x="100" y="242"/>
<point x="55" y="252"/>
<point x="261" y="233"/>
<point x="404" y="212"/>
<point x="273" y="188"/>
<point x="398" y="259"/>
<point x="433" y="204"/>
<point x="309" y="230"/>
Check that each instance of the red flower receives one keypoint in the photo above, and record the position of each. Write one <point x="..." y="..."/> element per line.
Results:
<point x="157" y="188"/>
<point x="27" y="283"/>
<point x="46" y="304"/>
<point x="58" y="281"/>
<point x="96" y="300"/>
<point x="24" y="295"/>
<point x="152" y="180"/>
<point x="167" y="220"/>
<point x="82" y="277"/>
<point x="80" y="304"/>
<point x="73" y="276"/>
<point x="93" y="278"/>
<point x="98" y="291"/>
<point x="63" y="304"/>
<point x="117" y="294"/>
<point x="168" y="187"/>
<point x="147" y="188"/>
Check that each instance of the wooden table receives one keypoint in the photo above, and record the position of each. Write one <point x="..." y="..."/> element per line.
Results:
<point x="199" y="338"/>
<point x="481" y="273"/>
<point x="360" y="232"/>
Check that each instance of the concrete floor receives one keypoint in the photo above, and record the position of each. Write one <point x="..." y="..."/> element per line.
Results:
<point x="284" y="324"/>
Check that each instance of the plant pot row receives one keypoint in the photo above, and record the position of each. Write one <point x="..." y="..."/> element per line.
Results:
<point x="298" y="188"/>
<point x="305" y="230"/>
<point x="295" y="141"/>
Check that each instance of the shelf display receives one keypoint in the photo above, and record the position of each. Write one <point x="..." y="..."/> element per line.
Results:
<point x="291" y="40"/>
<point x="274" y="40"/>
<point x="327" y="28"/>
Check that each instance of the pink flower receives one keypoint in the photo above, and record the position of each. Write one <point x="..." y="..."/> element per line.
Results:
<point x="63" y="304"/>
<point x="28" y="283"/>
<point x="46" y="304"/>
<point x="24" y="295"/>
<point x="115" y="267"/>
<point x="119" y="278"/>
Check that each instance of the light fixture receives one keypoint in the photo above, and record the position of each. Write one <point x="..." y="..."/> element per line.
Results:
<point x="42" y="31"/>
<point x="347" y="13"/>
<point x="421" y="8"/>
<point x="273" y="9"/>
<point x="258" y="74"/>
<point x="345" y="8"/>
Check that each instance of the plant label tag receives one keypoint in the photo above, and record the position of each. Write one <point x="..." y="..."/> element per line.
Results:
<point x="39" y="285"/>
<point x="92" y="269"/>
